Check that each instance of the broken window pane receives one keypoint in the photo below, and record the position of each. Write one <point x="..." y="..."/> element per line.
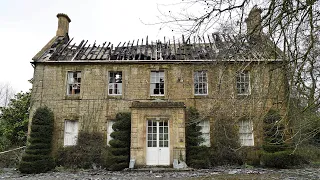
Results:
<point x="157" y="83"/>
<point x="74" y="81"/>
<point x="115" y="83"/>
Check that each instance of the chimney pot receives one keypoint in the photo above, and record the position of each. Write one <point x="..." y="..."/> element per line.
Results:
<point x="63" y="24"/>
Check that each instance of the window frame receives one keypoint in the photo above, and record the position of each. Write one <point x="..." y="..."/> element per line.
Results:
<point x="205" y="132"/>
<point x="197" y="80"/>
<point x="76" y="81"/>
<point x="73" y="134"/>
<point x="154" y="80"/>
<point x="109" y="130"/>
<point x="115" y="83"/>
<point x="243" y="83"/>
<point x="246" y="132"/>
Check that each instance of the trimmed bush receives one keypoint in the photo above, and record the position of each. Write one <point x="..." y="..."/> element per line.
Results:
<point x="197" y="156"/>
<point x="37" y="157"/>
<point x="120" y="144"/>
<point x="281" y="159"/>
<point x="276" y="152"/>
<point x="89" y="151"/>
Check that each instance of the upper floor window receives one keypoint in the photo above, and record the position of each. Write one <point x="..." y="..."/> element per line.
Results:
<point x="157" y="83"/>
<point x="205" y="130"/>
<point x="200" y="83"/>
<point x="243" y="83"/>
<point x="74" y="82"/>
<point x="246" y="132"/>
<point x="115" y="83"/>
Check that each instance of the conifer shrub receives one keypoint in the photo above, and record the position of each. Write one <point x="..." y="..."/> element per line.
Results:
<point x="281" y="159"/>
<point x="119" y="156"/>
<point x="37" y="157"/>
<point x="276" y="153"/>
<point x="90" y="151"/>
<point x="197" y="156"/>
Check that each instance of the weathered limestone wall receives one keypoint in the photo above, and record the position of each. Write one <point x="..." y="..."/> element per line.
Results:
<point x="94" y="107"/>
<point x="176" y="120"/>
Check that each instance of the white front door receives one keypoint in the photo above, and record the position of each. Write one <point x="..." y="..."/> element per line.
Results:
<point x="158" y="143"/>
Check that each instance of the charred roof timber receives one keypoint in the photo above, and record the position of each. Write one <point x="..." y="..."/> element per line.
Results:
<point x="210" y="47"/>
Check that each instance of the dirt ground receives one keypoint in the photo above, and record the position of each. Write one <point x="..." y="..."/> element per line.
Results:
<point x="219" y="173"/>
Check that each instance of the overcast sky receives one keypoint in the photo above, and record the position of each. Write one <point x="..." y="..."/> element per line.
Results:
<point x="27" y="25"/>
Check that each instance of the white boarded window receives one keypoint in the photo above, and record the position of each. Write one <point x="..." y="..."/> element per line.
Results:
<point x="200" y="83"/>
<point x="109" y="131"/>
<point x="246" y="133"/>
<point x="205" y="130"/>
<point x="157" y="83"/>
<point x="243" y="83"/>
<point x="74" y="82"/>
<point x="115" y="83"/>
<point x="70" y="133"/>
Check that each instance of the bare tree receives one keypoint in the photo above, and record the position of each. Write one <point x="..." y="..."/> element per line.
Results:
<point x="292" y="26"/>
<point x="6" y="93"/>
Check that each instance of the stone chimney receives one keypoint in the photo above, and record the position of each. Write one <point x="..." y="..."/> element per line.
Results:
<point x="63" y="24"/>
<point x="253" y="21"/>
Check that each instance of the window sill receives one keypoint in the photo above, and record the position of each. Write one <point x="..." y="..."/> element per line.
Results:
<point x="157" y="97"/>
<point x="199" y="96"/>
<point x="242" y="96"/>
<point x="114" y="96"/>
<point x="72" y="97"/>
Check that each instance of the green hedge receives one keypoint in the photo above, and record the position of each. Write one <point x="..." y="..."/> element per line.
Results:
<point x="281" y="159"/>
<point x="90" y="149"/>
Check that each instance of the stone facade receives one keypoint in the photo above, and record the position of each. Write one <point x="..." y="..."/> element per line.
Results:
<point x="93" y="107"/>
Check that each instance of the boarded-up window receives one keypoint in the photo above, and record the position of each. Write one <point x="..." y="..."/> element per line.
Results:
<point x="70" y="133"/>
<point x="74" y="82"/>
<point x="205" y="129"/>
<point x="246" y="133"/>
<point x="109" y="131"/>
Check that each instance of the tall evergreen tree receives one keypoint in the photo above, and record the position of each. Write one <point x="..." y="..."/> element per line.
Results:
<point x="37" y="157"/>
<point x="197" y="155"/>
<point x="120" y="144"/>
<point x="14" y="121"/>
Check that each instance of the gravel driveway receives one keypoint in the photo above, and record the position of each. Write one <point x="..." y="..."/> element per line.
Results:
<point x="215" y="173"/>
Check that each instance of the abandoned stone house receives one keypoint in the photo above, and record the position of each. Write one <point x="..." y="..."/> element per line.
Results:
<point x="221" y="75"/>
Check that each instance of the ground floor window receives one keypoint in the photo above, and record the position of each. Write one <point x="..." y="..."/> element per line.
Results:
<point x="70" y="132"/>
<point x="205" y="130"/>
<point x="109" y="131"/>
<point x="246" y="133"/>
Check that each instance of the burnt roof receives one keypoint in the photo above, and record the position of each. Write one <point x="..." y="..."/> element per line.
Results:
<point x="210" y="47"/>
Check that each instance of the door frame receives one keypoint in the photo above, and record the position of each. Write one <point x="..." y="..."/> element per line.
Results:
<point x="158" y="119"/>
